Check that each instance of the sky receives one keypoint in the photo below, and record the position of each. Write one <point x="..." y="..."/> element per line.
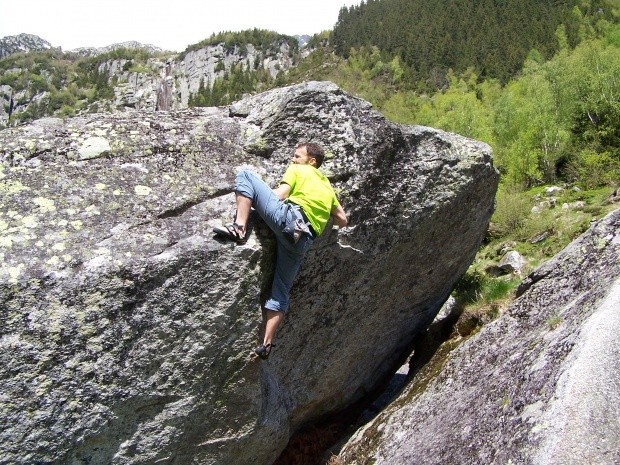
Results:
<point x="168" y="24"/>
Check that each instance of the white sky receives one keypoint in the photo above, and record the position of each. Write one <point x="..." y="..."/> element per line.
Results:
<point x="168" y="24"/>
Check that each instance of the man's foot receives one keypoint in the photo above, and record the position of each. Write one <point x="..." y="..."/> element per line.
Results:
<point x="235" y="232"/>
<point x="264" y="350"/>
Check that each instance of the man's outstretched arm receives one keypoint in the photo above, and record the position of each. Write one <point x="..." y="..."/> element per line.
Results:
<point x="339" y="216"/>
<point x="283" y="191"/>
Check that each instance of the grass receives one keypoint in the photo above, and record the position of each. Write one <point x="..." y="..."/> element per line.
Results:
<point x="555" y="321"/>
<point x="483" y="292"/>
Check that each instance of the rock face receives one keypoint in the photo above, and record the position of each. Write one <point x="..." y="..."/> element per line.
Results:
<point x="127" y="328"/>
<point x="179" y="76"/>
<point x="205" y="65"/>
<point x="186" y="75"/>
<point x="511" y="262"/>
<point x="132" y="44"/>
<point x="540" y="385"/>
<point x="22" y="43"/>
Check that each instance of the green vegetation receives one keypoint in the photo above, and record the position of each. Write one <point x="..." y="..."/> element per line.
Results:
<point x="49" y="74"/>
<point x="492" y="37"/>
<point x="555" y="321"/>
<point x="265" y="41"/>
<point x="64" y="83"/>
<point x="232" y="86"/>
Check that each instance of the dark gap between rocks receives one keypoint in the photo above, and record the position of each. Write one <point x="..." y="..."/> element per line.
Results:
<point x="318" y="442"/>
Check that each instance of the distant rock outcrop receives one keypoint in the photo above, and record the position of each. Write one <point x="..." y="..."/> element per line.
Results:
<point x="540" y="385"/>
<point x="22" y="43"/>
<point x="203" y="66"/>
<point x="175" y="78"/>
<point x="132" y="45"/>
<point x="127" y="328"/>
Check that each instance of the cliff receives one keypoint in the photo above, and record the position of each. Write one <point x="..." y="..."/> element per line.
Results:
<point x="152" y="80"/>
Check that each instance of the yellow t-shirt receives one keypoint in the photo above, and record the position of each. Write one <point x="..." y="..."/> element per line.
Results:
<point x="313" y="192"/>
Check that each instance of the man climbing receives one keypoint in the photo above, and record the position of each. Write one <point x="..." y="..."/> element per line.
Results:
<point x="297" y="211"/>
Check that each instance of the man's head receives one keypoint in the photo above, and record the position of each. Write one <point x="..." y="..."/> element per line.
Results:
<point x="309" y="154"/>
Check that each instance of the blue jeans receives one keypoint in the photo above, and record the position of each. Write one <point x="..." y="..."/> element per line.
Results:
<point x="276" y="214"/>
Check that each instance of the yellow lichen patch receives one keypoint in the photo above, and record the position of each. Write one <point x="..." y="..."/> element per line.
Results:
<point x="3" y="225"/>
<point x="54" y="261"/>
<point x="29" y="221"/>
<point x="14" y="273"/>
<point x="71" y="211"/>
<point x="93" y="210"/>
<point x="100" y="186"/>
<point x="43" y="385"/>
<point x="6" y="242"/>
<point x="77" y="225"/>
<point x="62" y="223"/>
<point x="12" y="187"/>
<point x="142" y="190"/>
<point x="117" y="192"/>
<point x="45" y="205"/>
<point x="61" y="246"/>
<point x="94" y="300"/>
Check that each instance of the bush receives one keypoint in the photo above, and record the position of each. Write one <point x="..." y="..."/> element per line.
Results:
<point x="511" y="211"/>
<point x="594" y="169"/>
<point x="535" y="224"/>
<point x="66" y="110"/>
<point x="9" y="79"/>
<point x="478" y="289"/>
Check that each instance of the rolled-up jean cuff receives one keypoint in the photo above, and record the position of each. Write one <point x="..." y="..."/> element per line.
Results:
<point x="275" y="306"/>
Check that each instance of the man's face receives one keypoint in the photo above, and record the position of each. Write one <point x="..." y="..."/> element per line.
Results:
<point x="301" y="157"/>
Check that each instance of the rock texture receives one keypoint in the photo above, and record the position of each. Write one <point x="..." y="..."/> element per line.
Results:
<point x="540" y="385"/>
<point x="179" y="75"/>
<point x="127" y="328"/>
<point x="205" y="65"/>
<point x="132" y="44"/>
<point x="22" y="43"/>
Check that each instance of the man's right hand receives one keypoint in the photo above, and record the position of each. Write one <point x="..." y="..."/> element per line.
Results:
<point x="339" y="216"/>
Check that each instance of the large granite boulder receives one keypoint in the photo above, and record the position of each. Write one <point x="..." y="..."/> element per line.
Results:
<point x="127" y="328"/>
<point x="540" y="385"/>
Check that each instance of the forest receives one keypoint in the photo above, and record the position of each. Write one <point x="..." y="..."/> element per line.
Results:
<point x="491" y="36"/>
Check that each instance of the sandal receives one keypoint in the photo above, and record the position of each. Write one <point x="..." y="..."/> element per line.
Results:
<point x="231" y="231"/>
<point x="263" y="351"/>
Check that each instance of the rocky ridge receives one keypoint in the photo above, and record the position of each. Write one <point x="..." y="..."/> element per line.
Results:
<point x="132" y="44"/>
<point x="178" y="76"/>
<point x="127" y="327"/>
<point x="22" y="43"/>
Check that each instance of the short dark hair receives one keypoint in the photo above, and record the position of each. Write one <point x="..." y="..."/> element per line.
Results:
<point x="315" y="151"/>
